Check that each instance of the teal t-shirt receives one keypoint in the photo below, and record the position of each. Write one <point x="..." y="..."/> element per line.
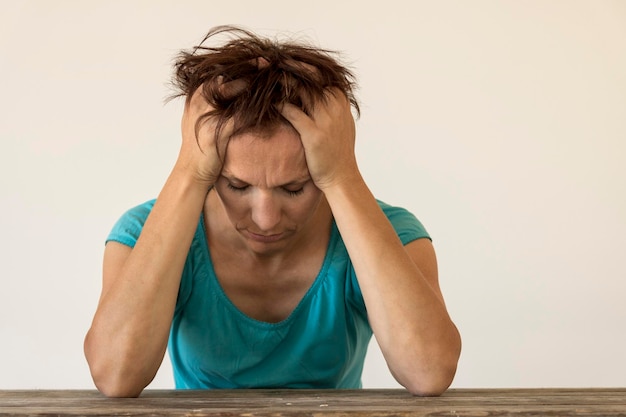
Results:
<point x="322" y="344"/>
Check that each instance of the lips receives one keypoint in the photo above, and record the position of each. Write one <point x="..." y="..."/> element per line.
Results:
<point x="265" y="238"/>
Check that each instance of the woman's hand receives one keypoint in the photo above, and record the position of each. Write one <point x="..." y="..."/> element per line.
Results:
<point x="328" y="137"/>
<point x="201" y="154"/>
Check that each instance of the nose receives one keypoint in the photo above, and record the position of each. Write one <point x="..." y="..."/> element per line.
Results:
<point x="265" y="211"/>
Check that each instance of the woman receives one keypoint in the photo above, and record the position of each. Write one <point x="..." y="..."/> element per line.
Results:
<point x="266" y="261"/>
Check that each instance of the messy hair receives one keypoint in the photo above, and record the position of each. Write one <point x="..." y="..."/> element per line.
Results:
<point x="270" y="72"/>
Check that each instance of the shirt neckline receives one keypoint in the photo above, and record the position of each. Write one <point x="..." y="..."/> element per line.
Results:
<point x="334" y="234"/>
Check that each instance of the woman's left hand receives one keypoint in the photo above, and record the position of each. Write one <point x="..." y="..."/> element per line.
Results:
<point x="328" y="136"/>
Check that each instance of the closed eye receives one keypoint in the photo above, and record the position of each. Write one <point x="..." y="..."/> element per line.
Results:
<point x="294" y="193"/>
<point x="237" y="189"/>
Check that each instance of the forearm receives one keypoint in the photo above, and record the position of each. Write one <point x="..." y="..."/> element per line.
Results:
<point x="409" y="319"/>
<point x="128" y="337"/>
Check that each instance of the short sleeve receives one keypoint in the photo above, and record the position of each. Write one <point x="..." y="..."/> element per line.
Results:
<point x="128" y="228"/>
<point x="407" y="226"/>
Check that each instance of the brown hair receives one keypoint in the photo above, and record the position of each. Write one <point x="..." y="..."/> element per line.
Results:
<point x="269" y="74"/>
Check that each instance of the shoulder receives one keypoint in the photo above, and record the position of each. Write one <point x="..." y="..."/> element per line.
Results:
<point x="406" y="224"/>
<point x="141" y="211"/>
<point x="128" y="227"/>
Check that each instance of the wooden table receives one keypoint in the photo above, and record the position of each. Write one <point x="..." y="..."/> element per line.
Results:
<point x="345" y="403"/>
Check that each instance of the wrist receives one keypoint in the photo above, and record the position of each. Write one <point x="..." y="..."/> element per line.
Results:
<point x="188" y="173"/>
<point x="190" y="179"/>
<point x="344" y="185"/>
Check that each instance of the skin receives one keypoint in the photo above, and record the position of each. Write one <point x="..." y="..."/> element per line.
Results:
<point x="271" y="203"/>
<point x="267" y="195"/>
<point x="263" y="225"/>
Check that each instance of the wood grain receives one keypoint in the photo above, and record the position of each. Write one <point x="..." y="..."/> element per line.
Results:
<point x="353" y="403"/>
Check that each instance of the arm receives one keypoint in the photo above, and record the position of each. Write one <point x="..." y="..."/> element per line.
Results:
<point x="399" y="283"/>
<point x="128" y="336"/>
<point x="400" y="287"/>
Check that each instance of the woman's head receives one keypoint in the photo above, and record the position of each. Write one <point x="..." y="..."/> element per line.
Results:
<point x="248" y="78"/>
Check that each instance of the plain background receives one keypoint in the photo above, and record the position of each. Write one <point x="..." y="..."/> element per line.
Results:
<point x="500" y="124"/>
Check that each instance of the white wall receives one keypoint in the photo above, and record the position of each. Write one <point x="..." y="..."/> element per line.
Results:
<point x="501" y="124"/>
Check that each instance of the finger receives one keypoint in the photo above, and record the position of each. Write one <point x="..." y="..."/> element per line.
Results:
<point x="260" y="62"/>
<point x="335" y="98"/>
<point x="300" y="66"/>
<point x="233" y="88"/>
<point x="196" y="99"/>
<point x="225" y="89"/>
<point x="221" y="142"/>
<point x="294" y="115"/>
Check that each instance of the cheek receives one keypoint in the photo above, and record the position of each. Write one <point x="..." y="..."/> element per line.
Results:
<point x="233" y="209"/>
<point x="306" y="207"/>
<point x="233" y="205"/>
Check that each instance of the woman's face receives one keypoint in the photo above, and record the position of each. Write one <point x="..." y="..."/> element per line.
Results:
<point x="267" y="192"/>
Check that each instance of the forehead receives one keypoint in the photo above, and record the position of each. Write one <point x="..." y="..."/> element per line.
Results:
<point x="266" y="160"/>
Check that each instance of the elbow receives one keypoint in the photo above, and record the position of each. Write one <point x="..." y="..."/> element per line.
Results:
<point x="430" y="379"/>
<point x="433" y="377"/>
<point x="428" y="384"/>
<point x="114" y="384"/>
<point x="425" y="388"/>
<point x="110" y="377"/>
<point x="117" y="390"/>
<point x="431" y="384"/>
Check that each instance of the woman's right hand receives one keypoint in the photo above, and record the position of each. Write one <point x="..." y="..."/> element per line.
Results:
<point x="201" y="154"/>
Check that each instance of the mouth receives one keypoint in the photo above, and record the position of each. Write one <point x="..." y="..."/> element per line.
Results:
<point x="264" y="238"/>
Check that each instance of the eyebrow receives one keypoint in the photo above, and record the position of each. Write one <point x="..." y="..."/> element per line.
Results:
<point x="298" y="181"/>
